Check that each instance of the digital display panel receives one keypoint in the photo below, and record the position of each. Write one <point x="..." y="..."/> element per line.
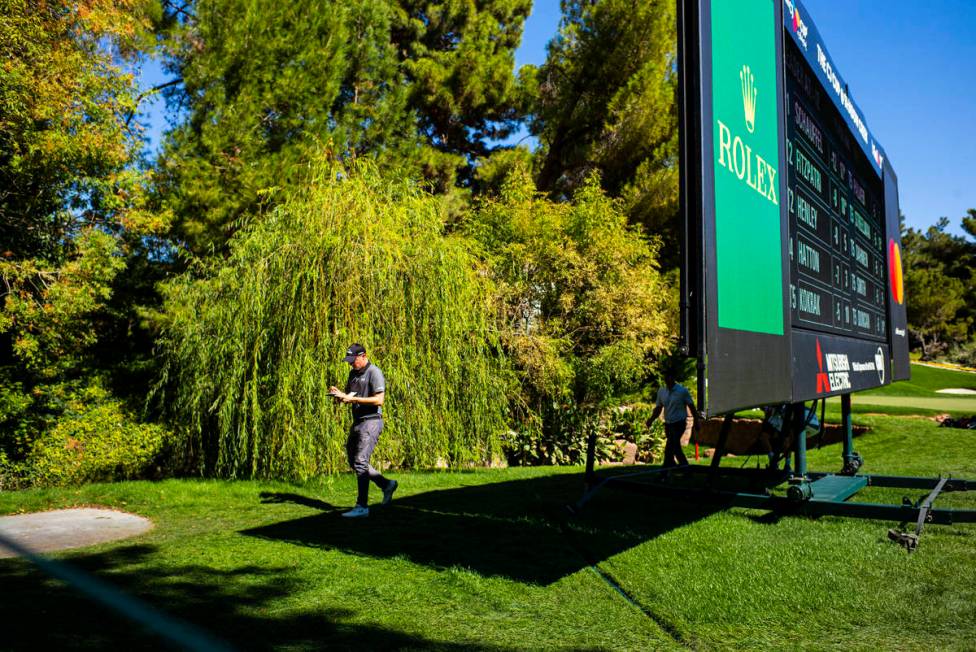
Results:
<point x="836" y="216"/>
<point x="747" y="132"/>
<point x="791" y="265"/>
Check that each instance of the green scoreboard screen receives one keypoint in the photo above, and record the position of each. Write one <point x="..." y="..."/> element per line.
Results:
<point x="792" y="280"/>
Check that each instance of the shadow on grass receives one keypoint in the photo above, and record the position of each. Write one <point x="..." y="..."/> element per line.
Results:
<point x="43" y="614"/>
<point x="515" y="529"/>
<point x="518" y="529"/>
<point x="269" y="497"/>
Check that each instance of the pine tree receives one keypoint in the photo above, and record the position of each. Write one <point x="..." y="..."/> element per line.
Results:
<point x="940" y="284"/>
<point x="419" y="86"/>
<point x="606" y="103"/>
<point x="458" y="57"/>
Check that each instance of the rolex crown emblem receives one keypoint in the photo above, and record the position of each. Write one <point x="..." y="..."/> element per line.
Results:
<point x="749" y="97"/>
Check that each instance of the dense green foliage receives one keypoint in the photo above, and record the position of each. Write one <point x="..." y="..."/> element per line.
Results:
<point x="65" y="138"/>
<point x="964" y="354"/>
<point x="253" y="343"/>
<point x="583" y="309"/>
<point x="49" y="312"/>
<point x="97" y="439"/>
<point x="74" y="431"/>
<point x="420" y="86"/>
<point x="940" y="283"/>
<point x="74" y="212"/>
<point x="606" y="104"/>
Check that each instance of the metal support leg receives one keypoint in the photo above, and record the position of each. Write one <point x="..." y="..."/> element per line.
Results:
<point x="909" y="540"/>
<point x="923" y="512"/>
<point x="723" y="438"/>
<point x="800" y="489"/>
<point x="852" y="461"/>
<point x="845" y="409"/>
<point x="798" y="423"/>
<point x="590" y="476"/>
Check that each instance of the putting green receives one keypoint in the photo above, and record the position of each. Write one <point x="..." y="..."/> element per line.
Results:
<point x="954" y="404"/>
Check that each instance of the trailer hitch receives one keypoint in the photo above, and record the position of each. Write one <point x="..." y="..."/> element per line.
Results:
<point x="908" y="540"/>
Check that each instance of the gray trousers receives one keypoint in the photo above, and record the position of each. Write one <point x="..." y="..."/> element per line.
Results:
<point x="363" y="436"/>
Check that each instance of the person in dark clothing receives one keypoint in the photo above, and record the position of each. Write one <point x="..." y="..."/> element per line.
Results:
<point x="674" y="400"/>
<point x="365" y="391"/>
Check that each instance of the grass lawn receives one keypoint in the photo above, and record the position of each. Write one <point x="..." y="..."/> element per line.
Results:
<point x="486" y="560"/>
<point x="925" y="381"/>
<point x="941" y="403"/>
<point x="917" y="396"/>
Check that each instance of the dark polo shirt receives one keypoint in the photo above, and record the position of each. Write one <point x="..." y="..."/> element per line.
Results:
<point x="367" y="381"/>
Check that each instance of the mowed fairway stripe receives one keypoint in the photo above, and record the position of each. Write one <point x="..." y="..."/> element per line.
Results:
<point x="955" y="404"/>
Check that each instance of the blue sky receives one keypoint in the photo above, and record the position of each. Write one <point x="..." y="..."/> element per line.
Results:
<point x="910" y="66"/>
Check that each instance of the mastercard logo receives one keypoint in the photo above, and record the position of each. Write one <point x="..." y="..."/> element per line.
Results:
<point x="894" y="272"/>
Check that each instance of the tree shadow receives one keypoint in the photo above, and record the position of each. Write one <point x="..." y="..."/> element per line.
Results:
<point x="518" y="530"/>
<point x="40" y="613"/>
<point x="275" y="497"/>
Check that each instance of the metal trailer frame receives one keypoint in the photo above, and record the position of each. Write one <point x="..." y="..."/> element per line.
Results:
<point x="808" y="493"/>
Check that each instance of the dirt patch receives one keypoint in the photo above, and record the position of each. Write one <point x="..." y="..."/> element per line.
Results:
<point x="746" y="436"/>
<point x="64" y="529"/>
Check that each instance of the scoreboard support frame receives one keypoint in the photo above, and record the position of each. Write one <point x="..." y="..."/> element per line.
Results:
<point x="807" y="493"/>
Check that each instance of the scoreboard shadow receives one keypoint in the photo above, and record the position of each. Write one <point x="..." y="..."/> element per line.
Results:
<point x="519" y="530"/>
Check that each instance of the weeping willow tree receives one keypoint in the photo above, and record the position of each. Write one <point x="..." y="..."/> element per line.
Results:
<point x="252" y="344"/>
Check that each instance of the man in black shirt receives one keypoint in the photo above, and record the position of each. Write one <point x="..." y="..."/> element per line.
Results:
<point x="365" y="390"/>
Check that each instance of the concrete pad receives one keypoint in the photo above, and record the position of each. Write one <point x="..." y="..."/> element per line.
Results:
<point x="69" y="528"/>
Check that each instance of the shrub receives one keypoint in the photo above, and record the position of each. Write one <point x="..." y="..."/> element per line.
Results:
<point x="563" y="445"/>
<point x="95" y="440"/>
<point x="556" y="438"/>
<point x="634" y="424"/>
<point x="15" y="416"/>
<point x="964" y="354"/>
<point x="583" y="310"/>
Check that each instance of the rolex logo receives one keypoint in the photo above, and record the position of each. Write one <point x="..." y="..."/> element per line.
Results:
<point x="748" y="97"/>
<point x="737" y="155"/>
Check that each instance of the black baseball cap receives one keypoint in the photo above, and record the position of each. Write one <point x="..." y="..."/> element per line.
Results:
<point x="353" y="352"/>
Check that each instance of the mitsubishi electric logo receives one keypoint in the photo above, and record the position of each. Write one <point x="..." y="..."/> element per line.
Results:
<point x="748" y="81"/>
<point x="837" y="376"/>
<point x="836" y="371"/>
<point x="823" y="381"/>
